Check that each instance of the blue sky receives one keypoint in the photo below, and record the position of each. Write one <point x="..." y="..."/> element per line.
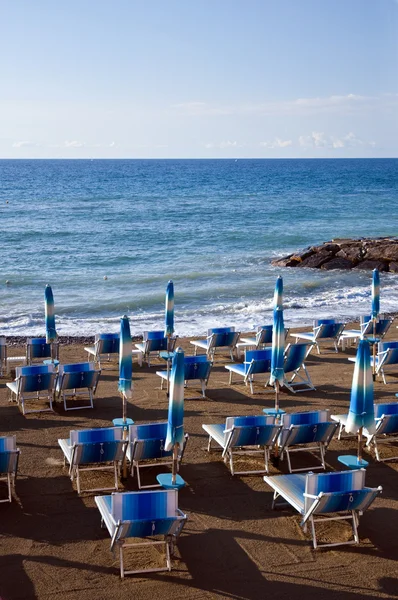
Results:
<point x="198" y="78"/>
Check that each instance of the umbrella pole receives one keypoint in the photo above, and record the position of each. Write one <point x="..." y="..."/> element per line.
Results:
<point x="374" y="349"/>
<point x="360" y="444"/>
<point x="175" y="464"/>
<point x="277" y="396"/>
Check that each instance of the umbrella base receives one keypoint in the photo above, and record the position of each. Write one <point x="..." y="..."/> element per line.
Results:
<point x="352" y="462"/>
<point x="121" y="423"/>
<point x="165" y="480"/>
<point x="274" y="412"/>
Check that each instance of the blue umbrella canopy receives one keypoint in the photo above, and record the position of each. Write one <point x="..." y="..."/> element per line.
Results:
<point x="361" y="411"/>
<point x="125" y="359"/>
<point x="375" y="294"/>
<point x="278" y="347"/>
<point x="51" y="333"/>
<point x="169" y="310"/>
<point x="175" y="421"/>
<point x="278" y="294"/>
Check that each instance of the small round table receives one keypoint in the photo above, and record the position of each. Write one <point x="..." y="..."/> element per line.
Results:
<point x="165" y="480"/>
<point x="352" y="462"/>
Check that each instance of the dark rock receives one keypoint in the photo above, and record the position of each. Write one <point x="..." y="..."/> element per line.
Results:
<point x="337" y="263"/>
<point x="316" y="260"/>
<point x="393" y="267"/>
<point x="350" y="253"/>
<point x="372" y="264"/>
<point x="382" y="252"/>
<point x="329" y="247"/>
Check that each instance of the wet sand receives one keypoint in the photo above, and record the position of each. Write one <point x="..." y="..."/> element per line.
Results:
<point x="234" y="545"/>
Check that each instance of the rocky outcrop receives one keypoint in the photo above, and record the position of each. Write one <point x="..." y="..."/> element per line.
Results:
<point x="364" y="253"/>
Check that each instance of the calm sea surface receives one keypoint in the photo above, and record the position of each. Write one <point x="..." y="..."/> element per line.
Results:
<point x="213" y="226"/>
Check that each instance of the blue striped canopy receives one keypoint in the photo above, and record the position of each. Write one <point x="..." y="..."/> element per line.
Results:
<point x="375" y="294"/>
<point x="278" y="347"/>
<point x="361" y="411"/>
<point x="175" y="422"/>
<point x="278" y="294"/>
<point x="125" y="359"/>
<point x="51" y="334"/>
<point x="169" y="310"/>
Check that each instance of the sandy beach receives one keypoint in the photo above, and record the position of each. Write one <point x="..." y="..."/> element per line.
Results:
<point x="234" y="545"/>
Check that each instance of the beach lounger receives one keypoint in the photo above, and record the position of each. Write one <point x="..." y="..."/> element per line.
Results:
<point x="37" y="350"/>
<point x="9" y="456"/>
<point x="33" y="383"/>
<point x="256" y="362"/>
<point x="366" y="330"/>
<point x="387" y="356"/>
<point x="306" y="432"/>
<point x="143" y="515"/>
<point x="105" y="345"/>
<point x="225" y="338"/>
<point x="153" y="343"/>
<point x="3" y="356"/>
<point x="78" y="380"/>
<point x="296" y="376"/>
<point x="244" y="436"/>
<point x="326" y="497"/>
<point x="324" y="330"/>
<point x="386" y="421"/>
<point x="146" y="448"/>
<point x="101" y="449"/>
<point x="196" y="368"/>
<point x="262" y="337"/>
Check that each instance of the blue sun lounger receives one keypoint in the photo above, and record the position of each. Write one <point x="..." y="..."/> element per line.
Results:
<point x="244" y="436"/>
<point x="147" y="449"/>
<point x="37" y="350"/>
<point x="326" y="497"/>
<point x="9" y="456"/>
<point x="105" y="345"/>
<point x="77" y="380"/>
<point x="225" y="338"/>
<point x="306" y="432"/>
<point x="324" y="330"/>
<point x="101" y="449"/>
<point x="143" y="515"/>
<point x="366" y="330"/>
<point x="256" y="362"/>
<point x="33" y="383"/>
<point x="196" y="368"/>
<point x="155" y="342"/>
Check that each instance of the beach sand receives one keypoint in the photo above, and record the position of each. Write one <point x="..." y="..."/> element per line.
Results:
<point x="233" y="546"/>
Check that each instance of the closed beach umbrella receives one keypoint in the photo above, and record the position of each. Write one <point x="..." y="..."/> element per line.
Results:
<point x="278" y="294"/>
<point x="125" y="363"/>
<point x="175" y="422"/>
<point x="361" y="411"/>
<point x="51" y="333"/>
<point x="278" y="341"/>
<point x="169" y="322"/>
<point x="375" y="312"/>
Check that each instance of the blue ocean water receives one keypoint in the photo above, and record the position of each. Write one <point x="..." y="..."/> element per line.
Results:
<point x="213" y="226"/>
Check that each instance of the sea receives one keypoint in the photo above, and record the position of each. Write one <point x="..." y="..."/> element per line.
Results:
<point x="107" y="235"/>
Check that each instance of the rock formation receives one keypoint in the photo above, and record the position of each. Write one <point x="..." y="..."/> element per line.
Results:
<point x="364" y="253"/>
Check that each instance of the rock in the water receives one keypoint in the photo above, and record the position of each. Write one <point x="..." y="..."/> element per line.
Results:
<point x="363" y="253"/>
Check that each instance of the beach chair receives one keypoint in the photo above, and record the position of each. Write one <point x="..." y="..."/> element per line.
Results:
<point x="386" y="421"/>
<point x="244" y="436"/>
<point x="324" y="330"/>
<point x="101" y="449"/>
<point x="326" y="497"/>
<point x="218" y="337"/>
<point x="153" y="343"/>
<point x="387" y="356"/>
<point x="256" y="362"/>
<point x="78" y="380"/>
<point x="105" y="345"/>
<point x="9" y="456"/>
<point x="262" y="337"/>
<point x="33" y="383"/>
<point x="142" y="515"/>
<point x="366" y="330"/>
<point x="296" y="376"/>
<point x="306" y="432"/>
<point x="3" y="356"/>
<point x="146" y="448"/>
<point x="37" y="350"/>
<point x="196" y="368"/>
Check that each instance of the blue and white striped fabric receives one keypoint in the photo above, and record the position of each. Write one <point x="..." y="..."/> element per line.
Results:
<point x="278" y="294"/>
<point x="169" y="310"/>
<point x="249" y="421"/>
<point x="36" y="378"/>
<point x="305" y="418"/>
<point x="175" y="424"/>
<point x="151" y="438"/>
<point x="375" y="294"/>
<point x="76" y="376"/>
<point x="361" y="411"/>
<point x="278" y="348"/>
<point x="51" y="333"/>
<point x="132" y="506"/>
<point x="125" y="359"/>
<point x="8" y="454"/>
<point x="8" y="443"/>
<point x="92" y="436"/>
<point x="387" y="408"/>
<point x="340" y="481"/>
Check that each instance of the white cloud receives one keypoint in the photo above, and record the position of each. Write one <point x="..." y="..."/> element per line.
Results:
<point x="225" y="144"/>
<point x="277" y="143"/>
<point x="24" y="144"/>
<point x="74" y="144"/>
<point x="318" y="139"/>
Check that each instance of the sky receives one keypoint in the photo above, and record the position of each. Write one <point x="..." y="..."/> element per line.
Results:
<point x="198" y="78"/>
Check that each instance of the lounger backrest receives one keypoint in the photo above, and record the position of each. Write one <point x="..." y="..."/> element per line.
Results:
<point x="8" y="443"/>
<point x="341" y="482"/>
<point x="107" y="343"/>
<point x="35" y="378"/>
<point x="197" y="367"/>
<point x="144" y="505"/>
<point x="78" y="375"/>
<point x="391" y="358"/>
<point x="264" y="334"/>
<point x="219" y="330"/>
<point x="155" y="341"/>
<point x="260" y="435"/>
<point x="388" y="425"/>
<point x="308" y="434"/>
<point x="327" y="328"/>
<point x="148" y="440"/>
<point x="3" y="348"/>
<point x="381" y="328"/>
<point x="258" y="361"/>
<point x="8" y="454"/>
<point x="305" y="418"/>
<point x="37" y="348"/>
<point x="295" y="356"/>
<point x="249" y="421"/>
<point x="97" y="435"/>
<point x="387" y="408"/>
